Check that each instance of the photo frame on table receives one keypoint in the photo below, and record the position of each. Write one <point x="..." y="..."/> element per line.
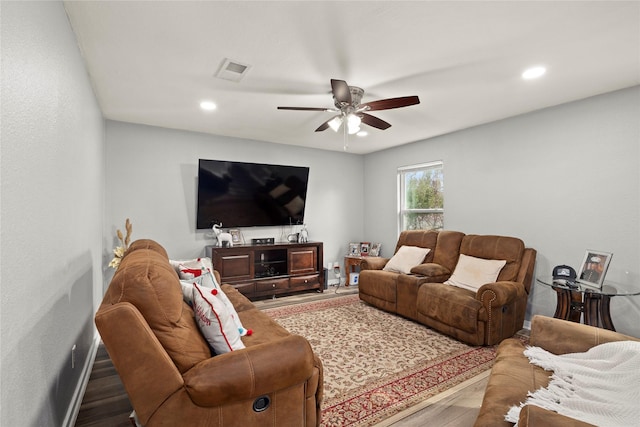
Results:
<point x="236" y="237"/>
<point x="375" y="249"/>
<point x="364" y="248"/>
<point x="593" y="268"/>
<point x="354" y="249"/>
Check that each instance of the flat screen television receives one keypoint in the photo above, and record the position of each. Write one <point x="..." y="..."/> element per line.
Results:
<point x="239" y="194"/>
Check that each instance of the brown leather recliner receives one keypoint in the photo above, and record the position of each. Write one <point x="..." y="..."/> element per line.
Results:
<point x="513" y="376"/>
<point x="166" y="365"/>
<point x="486" y="317"/>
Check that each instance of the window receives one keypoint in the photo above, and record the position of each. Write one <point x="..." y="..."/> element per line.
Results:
<point x="421" y="191"/>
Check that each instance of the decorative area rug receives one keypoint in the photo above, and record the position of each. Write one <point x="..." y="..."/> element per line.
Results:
<point x="377" y="364"/>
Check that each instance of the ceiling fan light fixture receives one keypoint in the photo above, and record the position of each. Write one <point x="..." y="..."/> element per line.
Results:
<point x="353" y="124"/>
<point x="335" y="123"/>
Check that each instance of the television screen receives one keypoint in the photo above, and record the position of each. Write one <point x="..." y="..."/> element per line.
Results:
<point x="239" y="194"/>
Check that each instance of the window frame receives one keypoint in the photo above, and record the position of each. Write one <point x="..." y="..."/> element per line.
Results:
<point x="402" y="171"/>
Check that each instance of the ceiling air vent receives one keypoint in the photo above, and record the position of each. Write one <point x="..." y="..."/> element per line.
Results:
<point x="232" y="70"/>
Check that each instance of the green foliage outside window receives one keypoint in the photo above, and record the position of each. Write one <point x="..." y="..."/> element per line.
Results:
<point x="422" y="198"/>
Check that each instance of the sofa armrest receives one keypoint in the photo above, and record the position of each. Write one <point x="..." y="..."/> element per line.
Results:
<point x="373" y="263"/>
<point x="148" y="374"/>
<point x="499" y="293"/>
<point x="562" y="336"/>
<point x="531" y="416"/>
<point x="250" y="372"/>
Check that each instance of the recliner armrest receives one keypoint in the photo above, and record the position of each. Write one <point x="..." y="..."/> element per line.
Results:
<point x="373" y="263"/>
<point x="250" y="372"/>
<point x="501" y="293"/>
<point x="562" y="336"/>
<point x="531" y="416"/>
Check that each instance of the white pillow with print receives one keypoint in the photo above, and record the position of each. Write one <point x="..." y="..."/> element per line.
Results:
<point x="215" y="322"/>
<point x="208" y="280"/>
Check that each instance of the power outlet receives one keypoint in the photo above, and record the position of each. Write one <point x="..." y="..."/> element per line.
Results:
<point x="73" y="357"/>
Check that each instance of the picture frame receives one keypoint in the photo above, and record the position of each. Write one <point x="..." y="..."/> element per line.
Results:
<point x="594" y="268"/>
<point x="354" y="249"/>
<point x="236" y="237"/>
<point x="375" y="249"/>
<point x="364" y="248"/>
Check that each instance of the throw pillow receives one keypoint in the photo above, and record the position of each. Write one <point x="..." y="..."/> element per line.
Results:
<point x="215" y="322"/>
<point x="406" y="258"/>
<point x="471" y="272"/>
<point x="208" y="280"/>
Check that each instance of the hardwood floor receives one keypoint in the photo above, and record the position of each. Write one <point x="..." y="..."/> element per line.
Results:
<point x="105" y="403"/>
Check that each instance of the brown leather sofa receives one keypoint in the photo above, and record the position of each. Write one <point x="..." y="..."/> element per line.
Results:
<point x="486" y="317"/>
<point x="512" y="376"/>
<point x="166" y="365"/>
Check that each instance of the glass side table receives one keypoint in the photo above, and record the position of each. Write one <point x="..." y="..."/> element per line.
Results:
<point x="578" y="299"/>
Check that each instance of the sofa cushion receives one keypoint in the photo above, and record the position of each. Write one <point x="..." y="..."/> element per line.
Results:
<point x="450" y="305"/>
<point x="406" y="258"/>
<point x="512" y="377"/>
<point x="471" y="272"/>
<point x="215" y="320"/>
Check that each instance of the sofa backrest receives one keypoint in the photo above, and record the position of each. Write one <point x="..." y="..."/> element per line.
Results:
<point x="147" y="280"/>
<point x="420" y="238"/>
<point x="510" y="249"/>
<point x="448" y="249"/>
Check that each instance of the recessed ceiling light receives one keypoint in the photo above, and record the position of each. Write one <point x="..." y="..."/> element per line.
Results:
<point x="533" y="72"/>
<point x="208" y="105"/>
<point x="362" y="133"/>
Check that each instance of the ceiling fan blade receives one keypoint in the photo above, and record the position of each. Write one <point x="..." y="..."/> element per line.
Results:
<point x="388" y="104"/>
<point x="304" y="108"/>
<point x="370" y="120"/>
<point x="341" y="91"/>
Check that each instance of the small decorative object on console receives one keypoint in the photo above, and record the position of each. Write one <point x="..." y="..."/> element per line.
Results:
<point x="223" y="238"/>
<point x="594" y="267"/>
<point x="124" y="240"/>
<point x="303" y="236"/>
<point x="236" y="236"/>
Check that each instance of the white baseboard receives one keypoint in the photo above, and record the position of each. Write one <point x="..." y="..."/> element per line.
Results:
<point x="76" y="401"/>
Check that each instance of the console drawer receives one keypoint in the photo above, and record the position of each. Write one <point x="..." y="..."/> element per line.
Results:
<point x="272" y="285"/>
<point x="245" y="288"/>
<point x="305" y="281"/>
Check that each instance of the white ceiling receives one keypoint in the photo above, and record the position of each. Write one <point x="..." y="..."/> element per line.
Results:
<point x="152" y="62"/>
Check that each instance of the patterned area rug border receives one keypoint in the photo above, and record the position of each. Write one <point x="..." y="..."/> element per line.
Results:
<point x="380" y="399"/>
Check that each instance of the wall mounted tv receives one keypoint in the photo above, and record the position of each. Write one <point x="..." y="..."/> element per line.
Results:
<point x="239" y="194"/>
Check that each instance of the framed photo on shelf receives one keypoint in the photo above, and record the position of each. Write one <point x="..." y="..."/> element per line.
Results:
<point x="593" y="268"/>
<point x="375" y="249"/>
<point x="364" y="248"/>
<point x="354" y="249"/>
<point x="236" y="237"/>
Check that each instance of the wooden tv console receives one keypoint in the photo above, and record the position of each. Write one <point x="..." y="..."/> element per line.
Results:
<point x="260" y="271"/>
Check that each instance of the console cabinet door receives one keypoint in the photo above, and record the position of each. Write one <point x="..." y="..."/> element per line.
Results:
<point x="303" y="260"/>
<point x="233" y="265"/>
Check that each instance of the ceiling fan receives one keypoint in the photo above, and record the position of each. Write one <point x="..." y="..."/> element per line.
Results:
<point x="351" y="112"/>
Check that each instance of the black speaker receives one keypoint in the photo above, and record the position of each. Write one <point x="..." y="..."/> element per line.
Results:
<point x="263" y="241"/>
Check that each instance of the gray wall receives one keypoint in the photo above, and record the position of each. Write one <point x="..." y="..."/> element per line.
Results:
<point x="152" y="179"/>
<point x="564" y="179"/>
<point x="52" y="191"/>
